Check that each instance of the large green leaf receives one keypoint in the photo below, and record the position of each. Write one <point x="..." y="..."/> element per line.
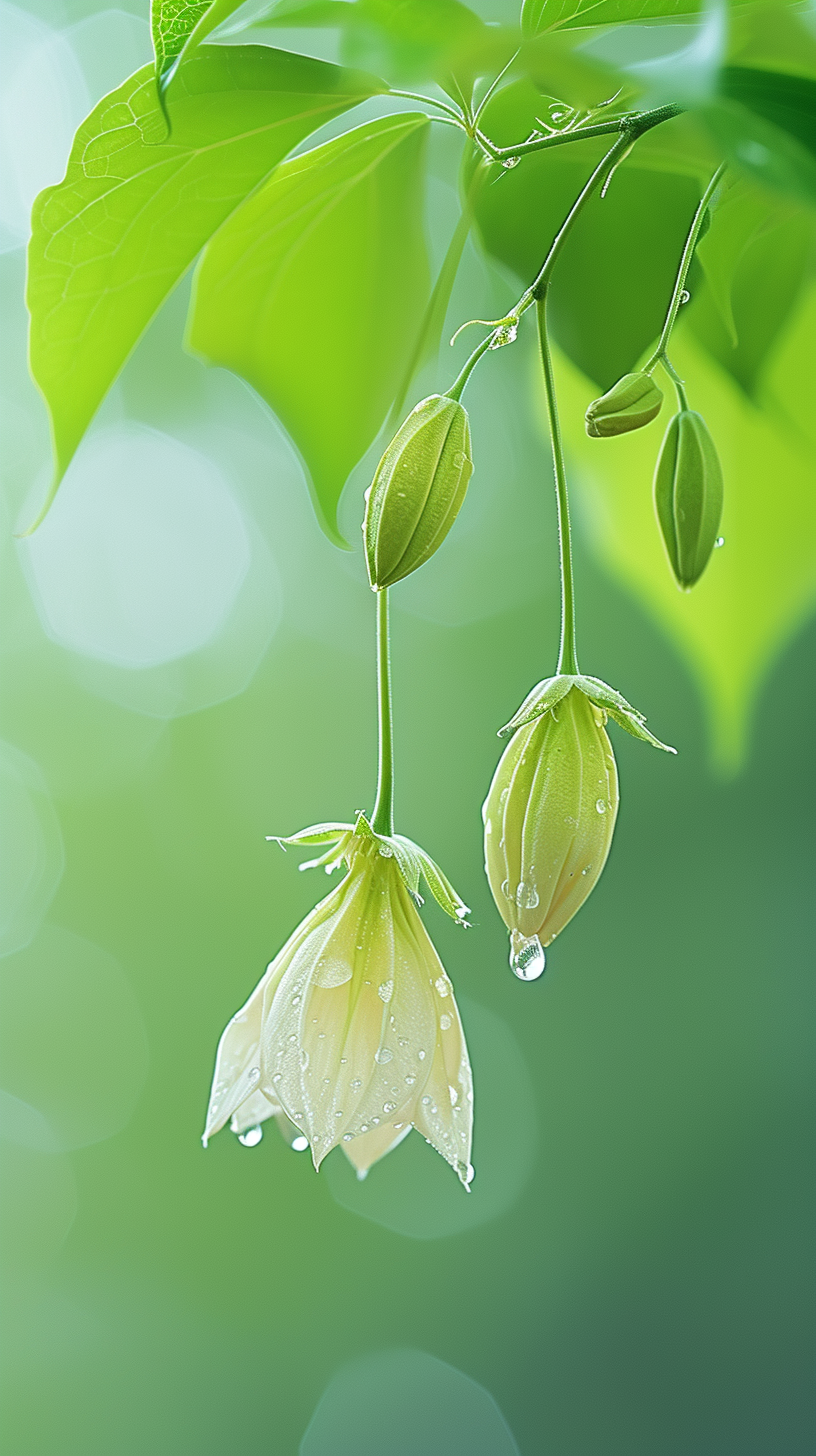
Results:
<point x="407" y="40"/>
<point x="314" y="292"/>
<point x="766" y="279"/>
<point x="765" y="122"/>
<point x="113" y="239"/>
<point x="613" y="282"/>
<point x="762" y="584"/>
<point x="542" y="15"/>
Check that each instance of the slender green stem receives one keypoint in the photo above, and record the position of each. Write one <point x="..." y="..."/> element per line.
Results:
<point x="455" y="391"/>
<point x="602" y="173"/>
<point x="382" y="819"/>
<point x="430" y="101"/>
<point x="567" y="659"/>
<point x="682" y="272"/>
<point x="635" y="124"/>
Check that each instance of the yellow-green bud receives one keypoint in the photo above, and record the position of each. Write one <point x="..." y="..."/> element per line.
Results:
<point x="417" y="490"/>
<point x="688" y="492"/>
<point x="629" y="404"/>
<point x="548" y="820"/>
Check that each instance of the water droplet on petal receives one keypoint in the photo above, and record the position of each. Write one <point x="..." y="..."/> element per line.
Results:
<point x="355" y="1084"/>
<point x="386" y="851"/>
<point x="385" y="990"/>
<point x="421" y="1056"/>
<point x="601" y="805"/>
<point x="384" y="1054"/>
<point x="251" y="1137"/>
<point x="526" y="896"/>
<point x="510" y="162"/>
<point x="720" y="541"/>
<point x="442" y="985"/>
<point x="527" y="959"/>
<point x="445" y="1022"/>
<point x="299" y="1144"/>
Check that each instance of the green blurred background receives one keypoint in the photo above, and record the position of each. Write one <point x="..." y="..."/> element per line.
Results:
<point x="188" y="667"/>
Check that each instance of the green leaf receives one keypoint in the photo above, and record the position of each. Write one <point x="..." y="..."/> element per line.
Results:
<point x="112" y="240"/>
<point x="179" y="26"/>
<point x="613" y="283"/>
<point x="788" y="102"/>
<point x="538" y="16"/>
<point x="407" y="39"/>
<point x="740" y="212"/>
<point x="766" y="124"/>
<point x="762" y="584"/>
<point x="768" y="277"/>
<point x="171" y="22"/>
<point x="314" y="289"/>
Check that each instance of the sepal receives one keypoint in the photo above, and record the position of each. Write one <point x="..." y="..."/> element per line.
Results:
<point x="413" y="862"/>
<point x="547" y="694"/>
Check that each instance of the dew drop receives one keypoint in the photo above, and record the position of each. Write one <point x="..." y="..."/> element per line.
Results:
<point x="442" y="985"/>
<point x="421" y="1056"/>
<point x="510" y="162"/>
<point x="506" y="891"/>
<point x="347" y="1137"/>
<point x="389" y="1107"/>
<point x="587" y="870"/>
<point x="527" y="959"/>
<point x="685" y="296"/>
<point x="601" y="805"/>
<point x="251" y="1137"/>
<point x="720" y="541"/>
<point x="384" y="1055"/>
<point x="355" y="1084"/>
<point x="304" y="1057"/>
<point x="410" y="1079"/>
<point x="385" y="990"/>
<point x="386" y="851"/>
<point x="426" y="1101"/>
<point x="526" y="896"/>
<point x="254" y="1073"/>
<point x="299" y="1144"/>
<point x="445" y="1022"/>
<point x="454" y="1095"/>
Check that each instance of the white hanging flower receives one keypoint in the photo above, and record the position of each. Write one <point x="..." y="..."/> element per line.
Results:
<point x="353" y="1033"/>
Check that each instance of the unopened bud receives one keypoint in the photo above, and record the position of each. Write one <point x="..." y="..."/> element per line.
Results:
<point x="418" y="489"/>
<point x="549" y="818"/>
<point x="688" y="492"/>
<point x="629" y="404"/>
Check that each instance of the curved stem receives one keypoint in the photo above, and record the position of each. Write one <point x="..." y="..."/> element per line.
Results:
<point x="382" y="819"/>
<point x="430" y="101"/>
<point x="455" y="391"/>
<point x="567" y="659"/>
<point x="601" y="174"/>
<point x="635" y="124"/>
<point x="682" y="272"/>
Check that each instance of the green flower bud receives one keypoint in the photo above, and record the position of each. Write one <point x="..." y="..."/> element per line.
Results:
<point x="418" y="489"/>
<point x="688" y="492"/>
<point x="548" y="821"/>
<point x="628" y="405"/>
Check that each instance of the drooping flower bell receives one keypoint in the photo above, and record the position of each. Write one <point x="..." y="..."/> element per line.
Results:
<point x="550" y="812"/>
<point x="354" y="1033"/>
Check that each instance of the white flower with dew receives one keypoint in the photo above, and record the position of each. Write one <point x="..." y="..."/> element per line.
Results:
<point x="353" y="1032"/>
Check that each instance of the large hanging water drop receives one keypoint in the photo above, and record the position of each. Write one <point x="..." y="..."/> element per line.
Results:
<point x="251" y="1137"/>
<point x="527" y="958"/>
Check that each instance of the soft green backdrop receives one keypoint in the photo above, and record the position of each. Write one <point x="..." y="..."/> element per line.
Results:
<point x="187" y="667"/>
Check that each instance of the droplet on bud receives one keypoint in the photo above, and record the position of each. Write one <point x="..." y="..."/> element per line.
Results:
<point x="527" y="958"/>
<point x="251" y="1137"/>
<point x="299" y="1144"/>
